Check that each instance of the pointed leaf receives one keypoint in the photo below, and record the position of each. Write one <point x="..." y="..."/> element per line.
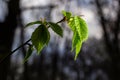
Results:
<point x="56" y="28"/>
<point x="78" y="48"/>
<point x="32" y="23"/>
<point x="80" y="30"/>
<point x="75" y="40"/>
<point x="78" y="24"/>
<point x="28" y="54"/>
<point x="76" y="44"/>
<point x="40" y="37"/>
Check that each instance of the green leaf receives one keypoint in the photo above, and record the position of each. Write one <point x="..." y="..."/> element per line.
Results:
<point x="76" y="44"/>
<point x="75" y="40"/>
<point x="66" y="14"/>
<point x="78" y="48"/>
<point x="56" y="28"/>
<point x="32" y="23"/>
<point x="28" y="54"/>
<point x="71" y="23"/>
<point x="80" y="33"/>
<point x="40" y="37"/>
<point x="81" y="28"/>
<point x="48" y="37"/>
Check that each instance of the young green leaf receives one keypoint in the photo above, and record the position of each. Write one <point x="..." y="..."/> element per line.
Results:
<point x="67" y="14"/>
<point x="71" y="23"/>
<point x="78" y="48"/>
<point x="75" y="40"/>
<point x="32" y="23"/>
<point x="28" y="54"/>
<point x="40" y="37"/>
<point x="56" y="28"/>
<point x="80" y="31"/>
<point x="78" y="25"/>
<point x="76" y="44"/>
<point x="81" y="28"/>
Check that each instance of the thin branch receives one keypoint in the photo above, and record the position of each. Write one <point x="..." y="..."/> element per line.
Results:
<point x="15" y="50"/>
<point x="25" y="44"/>
<point x="62" y="20"/>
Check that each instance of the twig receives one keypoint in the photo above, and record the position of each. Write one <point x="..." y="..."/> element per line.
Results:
<point x="14" y="50"/>
<point x="64" y="18"/>
<point x="9" y="54"/>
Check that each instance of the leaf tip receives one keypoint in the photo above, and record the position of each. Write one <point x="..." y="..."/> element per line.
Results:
<point x="76" y="56"/>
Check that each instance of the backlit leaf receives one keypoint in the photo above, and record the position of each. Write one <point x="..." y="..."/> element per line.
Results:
<point x="80" y="31"/>
<point x="75" y="40"/>
<point x="81" y="28"/>
<point x="78" y="48"/>
<point x="40" y="37"/>
<point x="71" y="23"/>
<point x="67" y="14"/>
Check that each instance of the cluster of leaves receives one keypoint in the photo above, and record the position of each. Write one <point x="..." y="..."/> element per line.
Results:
<point x="41" y="35"/>
<point x="80" y="31"/>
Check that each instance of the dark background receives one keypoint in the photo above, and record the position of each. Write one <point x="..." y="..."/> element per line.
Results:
<point x="99" y="58"/>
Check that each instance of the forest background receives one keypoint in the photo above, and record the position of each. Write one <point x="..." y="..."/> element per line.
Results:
<point x="99" y="58"/>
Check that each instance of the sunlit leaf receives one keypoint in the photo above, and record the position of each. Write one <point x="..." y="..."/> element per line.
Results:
<point x="71" y="23"/>
<point x="76" y="44"/>
<point x="32" y="23"/>
<point x="40" y="37"/>
<point x="28" y="54"/>
<point x="56" y="28"/>
<point x="75" y="40"/>
<point x="67" y="14"/>
<point x="80" y="32"/>
<point x="81" y="28"/>
<point x="78" y="48"/>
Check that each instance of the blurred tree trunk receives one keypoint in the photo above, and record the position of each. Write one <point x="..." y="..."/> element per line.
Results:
<point x="25" y="73"/>
<point x="41" y="69"/>
<point x="7" y="29"/>
<point x="54" y="66"/>
<point x="112" y="45"/>
<point x="23" y="49"/>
